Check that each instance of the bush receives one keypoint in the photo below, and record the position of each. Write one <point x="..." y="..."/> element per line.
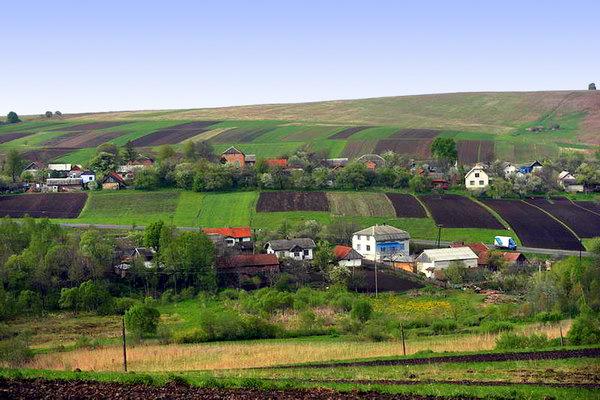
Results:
<point x="187" y="293"/>
<point x="122" y="304"/>
<point x="15" y="351"/>
<point x="496" y="327"/>
<point x="142" y="320"/>
<point x="229" y="294"/>
<point x="87" y="342"/>
<point x="546" y="316"/>
<point x="511" y="341"/>
<point x="441" y="327"/>
<point x="194" y="335"/>
<point x="285" y="282"/>
<point x="361" y="310"/>
<point x="585" y="330"/>
<point x="375" y="331"/>
<point x="168" y="296"/>
<point x="343" y="302"/>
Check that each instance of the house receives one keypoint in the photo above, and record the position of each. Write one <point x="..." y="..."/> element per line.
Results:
<point x="63" y="185"/>
<point x="231" y="236"/>
<point x="87" y="176"/>
<point x="113" y="181"/>
<point x="568" y="182"/>
<point x="480" y="249"/>
<point x="440" y="184"/>
<point x="371" y="161"/>
<point x="60" y="167"/>
<point x="33" y="168"/>
<point x="514" y="259"/>
<point x="434" y="260"/>
<point x="277" y="162"/>
<point x="335" y="163"/>
<point x="477" y="178"/>
<point x="234" y="157"/>
<point x="347" y="257"/>
<point x="381" y="243"/>
<point x="146" y="255"/>
<point x="297" y="249"/>
<point x="509" y="169"/>
<point x="131" y="167"/>
<point x="529" y="168"/>
<point x="234" y="270"/>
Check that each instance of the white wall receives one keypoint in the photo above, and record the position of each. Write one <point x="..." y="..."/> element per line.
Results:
<point x="437" y="265"/>
<point x="366" y="246"/>
<point x="288" y="254"/>
<point x="350" y="263"/>
<point x="477" y="179"/>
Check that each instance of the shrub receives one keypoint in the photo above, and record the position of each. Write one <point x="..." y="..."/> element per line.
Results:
<point x="187" y="293"/>
<point x="285" y="283"/>
<point x="168" y="296"/>
<point x="375" y="331"/>
<point x="496" y="327"/>
<point x="122" y="304"/>
<point x="142" y="320"/>
<point x="441" y="327"/>
<point x="229" y="294"/>
<point x="511" y="341"/>
<point x="415" y="323"/>
<point x="361" y="310"/>
<point x="194" y="335"/>
<point x="546" y="316"/>
<point x="343" y="302"/>
<point x="585" y="330"/>
<point x="15" y="351"/>
<point x="86" y="342"/>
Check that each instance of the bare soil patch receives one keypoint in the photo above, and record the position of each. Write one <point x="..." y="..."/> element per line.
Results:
<point x="454" y="211"/>
<point x="292" y="201"/>
<point x="346" y="133"/>
<point x="174" y="134"/>
<point x="584" y="223"/>
<point x="45" y="155"/>
<point x="241" y="135"/>
<point x="416" y="147"/>
<point x="80" y="140"/>
<point x="416" y="134"/>
<point x="7" y="137"/>
<point x="50" y="205"/>
<point x="473" y="151"/>
<point x="357" y="148"/>
<point x="406" y="205"/>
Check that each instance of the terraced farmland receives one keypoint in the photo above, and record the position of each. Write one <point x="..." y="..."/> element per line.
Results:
<point x="584" y="223"/>
<point x="174" y="134"/>
<point x="453" y="211"/>
<point x="360" y="204"/>
<point x="406" y="205"/>
<point x="473" y="151"/>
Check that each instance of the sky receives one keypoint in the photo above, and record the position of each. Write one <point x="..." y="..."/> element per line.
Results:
<point x="84" y="56"/>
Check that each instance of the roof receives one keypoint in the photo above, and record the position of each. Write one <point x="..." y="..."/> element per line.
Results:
<point x="565" y="175"/>
<point x="478" y="168"/>
<point x="238" y="233"/>
<point x="288" y="244"/>
<point x="116" y="177"/>
<point x="346" y="253"/>
<point x="59" y="167"/>
<point x="250" y="260"/>
<point x="63" y="181"/>
<point x="476" y="247"/>
<point x="384" y="233"/>
<point x="448" y="254"/>
<point x="277" y="162"/>
<point x="375" y="158"/>
<point x="87" y="172"/>
<point x="335" y="162"/>
<point x="232" y="150"/>
<point x="145" y="252"/>
<point x="512" y="257"/>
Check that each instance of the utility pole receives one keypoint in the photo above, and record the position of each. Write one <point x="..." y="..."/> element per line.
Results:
<point x="403" y="342"/>
<point x="580" y="246"/>
<point x="561" y="334"/>
<point x="124" y="347"/>
<point x="376" y="288"/>
<point x="439" y="235"/>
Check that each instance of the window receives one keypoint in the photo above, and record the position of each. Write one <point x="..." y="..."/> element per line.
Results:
<point x="476" y="174"/>
<point x="359" y="237"/>
<point x="471" y="182"/>
<point x="368" y="248"/>
<point x="306" y="252"/>
<point x="480" y="183"/>
<point x="358" y="246"/>
<point x="296" y="254"/>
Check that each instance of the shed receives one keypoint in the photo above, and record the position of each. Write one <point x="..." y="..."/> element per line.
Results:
<point x="433" y="260"/>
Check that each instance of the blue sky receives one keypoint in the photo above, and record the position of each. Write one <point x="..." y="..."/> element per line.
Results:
<point x="78" y="56"/>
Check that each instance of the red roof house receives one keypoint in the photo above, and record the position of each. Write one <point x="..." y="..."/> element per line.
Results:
<point x="231" y="235"/>
<point x="347" y="256"/>
<point x="277" y="162"/>
<point x="236" y="270"/>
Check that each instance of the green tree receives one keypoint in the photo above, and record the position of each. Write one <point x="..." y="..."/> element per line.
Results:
<point x="592" y="86"/>
<point x="48" y="114"/>
<point x="456" y="272"/>
<point x="152" y="234"/>
<point x="146" y="179"/>
<point x="419" y="184"/>
<point x="108" y="148"/>
<point x="353" y="176"/>
<point x="103" y="163"/>
<point x="206" y="151"/>
<point x="361" y="310"/>
<point x="166" y="152"/>
<point x="191" y="256"/>
<point x="444" y="149"/>
<point x="69" y="299"/>
<point x="129" y="152"/>
<point x="12" y="118"/>
<point x="189" y="151"/>
<point x="500" y="188"/>
<point x="142" y="320"/>
<point x="323" y="257"/>
<point x="14" y="164"/>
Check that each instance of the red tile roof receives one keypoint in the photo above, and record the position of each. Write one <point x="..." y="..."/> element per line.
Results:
<point x="276" y="162"/>
<point x="237" y="233"/>
<point x="341" y="251"/>
<point x="511" y="257"/>
<point x="251" y="260"/>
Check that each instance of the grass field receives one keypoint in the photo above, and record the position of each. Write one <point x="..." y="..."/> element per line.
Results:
<point x="360" y="204"/>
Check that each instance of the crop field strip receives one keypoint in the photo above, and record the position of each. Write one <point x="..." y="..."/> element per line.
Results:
<point x="454" y="211"/>
<point x="584" y="223"/>
<point x="360" y="204"/>
<point x="346" y="133"/>
<point x="50" y="205"/>
<point x="406" y="205"/>
<point x="91" y="126"/>
<point x="357" y="148"/>
<point x="174" y="134"/>
<point x="45" y="155"/>
<point x="292" y="201"/>
<point x="9" y="137"/>
<point x="417" y="147"/>
<point x="534" y="227"/>
<point x="416" y="134"/>
<point x="241" y="135"/>
<point x="311" y="133"/>
<point x="589" y="205"/>
<point x="473" y="151"/>
<point x="79" y="140"/>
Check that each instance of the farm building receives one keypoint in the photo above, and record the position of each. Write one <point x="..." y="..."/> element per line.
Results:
<point x="63" y="185"/>
<point x="33" y="168"/>
<point x="237" y="158"/>
<point x="480" y="249"/>
<point x="567" y="181"/>
<point x="231" y="235"/>
<point x="477" y="178"/>
<point x="432" y="260"/>
<point x="514" y="259"/>
<point x="346" y="256"/>
<point x="87" y="176"/>
<point x="60" y="167"/>
<point x="335" y="163"/>
<point x="529" y="168"/>
<point x="297" y="249"/>
<point x="235" y="270"/>
<point x="129" y="169"/>
<point x="381" y="242"/>
<point x="371" y="161"/>
<point x="508" y="169"/>
<point x="113" y="181"/>
<point x="277" y="162"/>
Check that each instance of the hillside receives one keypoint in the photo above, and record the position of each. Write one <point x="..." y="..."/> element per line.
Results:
<point x="490" y="112"/>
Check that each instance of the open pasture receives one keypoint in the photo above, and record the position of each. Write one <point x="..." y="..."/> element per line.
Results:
<point x="406" y="205"/>
<point x="50" y="205"/>
<point x="292" y="201"/>
<point x="584" y="223"/>
<point x="534" y="227"/>
<point x="360" y="204"/>
<point x="174" y="134"/>
<point x="454" y="211"/>
<point x="346" y="133"/>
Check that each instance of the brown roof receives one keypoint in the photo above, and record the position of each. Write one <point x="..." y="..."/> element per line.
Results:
<point x="511" y="257"/>
<point x="250" y="260"/>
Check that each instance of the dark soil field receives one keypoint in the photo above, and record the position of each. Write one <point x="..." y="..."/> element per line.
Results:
<point x="416" y="134"/>
<point x="473" y="151"/>
<point x="584" y="223"/>
<point x="92" y="126"/>
<point x="7" y="137"/>
<point x="45" y="155"/>
<point x="80" y="140"/>
<point x="51" y="205"/>
<point x="292" y="201"/>
<point x="486" y="151"/>
<point x="174" y="134"/>
<point x="26" y="389"/>
<point x="417" y="147"/>
<point x="589" y="205"/>
<point x="534" y="227"/>
<point x="240" y="135"/>
<point x="357" y="148"/>
<point x="346" y="133"/>
<point x="406" y="205"/>
<point x="454" y="211"/>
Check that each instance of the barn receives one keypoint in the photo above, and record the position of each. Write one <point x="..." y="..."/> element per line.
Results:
<point x="433" y="260"/>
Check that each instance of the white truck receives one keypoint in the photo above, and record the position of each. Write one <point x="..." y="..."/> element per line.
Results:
<point x="505" y="242"/>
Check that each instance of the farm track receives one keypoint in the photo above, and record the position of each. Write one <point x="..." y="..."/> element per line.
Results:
<point x="468" y="358"/>
<point x="25" y="389"/>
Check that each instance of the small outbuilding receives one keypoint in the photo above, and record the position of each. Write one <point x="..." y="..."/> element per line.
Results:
<point x="113" y="181"/>
<point x="434" y="260"/>
<point x="298" y="249"/>
<point x="346" y="256"/>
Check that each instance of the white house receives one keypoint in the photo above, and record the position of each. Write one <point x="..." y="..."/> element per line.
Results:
<point x="87" y="176"/>
<point x="231" y="236"/>
<point x="381" y="242"/>
<point x="347" y="257"/>
<point x="297" y="249"/>
<point x="60" y="167"/>
<point x="477" y="178"/>
<point x="509" y="170"/>
<point x="567" y="181"/>
<point x="433" y="260"/>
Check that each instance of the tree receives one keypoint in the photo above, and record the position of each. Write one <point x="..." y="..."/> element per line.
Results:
<point x="108" y="148"/>
<point x="69" y="299"/>
<point x="103" y="163"/>
<point x="129" y="152"/>
<point x="361" y="311"/>
<point x="152" y="234"/>
<point x="142" y="320"/>
<point x="48" y="114"/>
<point x="57" y="114"/>
<point x="191" y="255"/>
<point x="500" y="188"/>
<point x="14" y="164"/>
<point x="592" y="86"/>
<point x="340" y="231"/>
<point x="419" y="184"/>
<point x="12" y="118"/>
<point x="444" y="149"/>
<point x="456" y="272"/>
<point x="165" y="152"/>
<point x="206" y="151"/>
<point x="354" y="176"/>
<point x="147" y="179"/>
<point x="189" y="151"/>
<point x="323" y="256"/>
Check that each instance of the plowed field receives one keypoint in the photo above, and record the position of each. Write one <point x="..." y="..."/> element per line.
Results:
<point x="292" y="201"/>
<point x="453" y="211"/>
<point x="584" y="223"/>
<point x="406" y="205"/>
<point x="51" y="205"/>
<point x="174" y="134"/>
